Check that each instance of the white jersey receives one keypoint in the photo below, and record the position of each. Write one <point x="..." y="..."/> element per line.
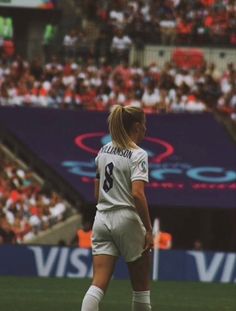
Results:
<point x="117" y="170"/>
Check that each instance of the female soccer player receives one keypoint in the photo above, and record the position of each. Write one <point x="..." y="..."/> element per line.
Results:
<point x="122" y="224"/>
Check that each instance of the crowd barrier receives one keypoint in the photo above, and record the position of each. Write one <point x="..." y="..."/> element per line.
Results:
<point x="174" y="265"/>
<point x="162" y="54"/>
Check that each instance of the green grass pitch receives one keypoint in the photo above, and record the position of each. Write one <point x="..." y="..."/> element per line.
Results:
<point x="60" y="294"/>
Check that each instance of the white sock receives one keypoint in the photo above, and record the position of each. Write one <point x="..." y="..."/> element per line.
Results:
<point x="92" y="298"/>
<point x="141" y="301"/>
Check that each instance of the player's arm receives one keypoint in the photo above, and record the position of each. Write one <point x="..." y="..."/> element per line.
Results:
<point x="96" y="186"/>
<point x="97" y="179"/>
<point x="142" y="209"/>
<point x="141" y="203"/>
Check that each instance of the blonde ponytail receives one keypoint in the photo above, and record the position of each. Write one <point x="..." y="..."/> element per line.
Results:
<point x="120" y="122"/>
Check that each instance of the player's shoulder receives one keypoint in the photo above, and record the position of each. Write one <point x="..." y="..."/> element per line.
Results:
<point x="139" y="153"/>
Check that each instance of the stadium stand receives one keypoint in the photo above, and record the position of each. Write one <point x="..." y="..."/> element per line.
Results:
<point x="91" y="69"/>
<point x="26" y="206"/>
<point x="94" y="70"/>
<point x="69" y="85"/>
<point x="171" y="21"/>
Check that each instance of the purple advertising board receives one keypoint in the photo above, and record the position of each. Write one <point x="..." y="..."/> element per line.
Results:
<point x="192" y="159"/>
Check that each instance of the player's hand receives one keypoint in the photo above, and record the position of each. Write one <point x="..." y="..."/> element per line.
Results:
<point x="149" y="241"/>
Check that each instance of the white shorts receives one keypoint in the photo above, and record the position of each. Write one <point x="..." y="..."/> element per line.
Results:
<point x="118" y="232"/>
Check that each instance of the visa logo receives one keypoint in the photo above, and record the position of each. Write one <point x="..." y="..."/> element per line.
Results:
<point x="62" y="262"/>
<point x="219" y="267"/>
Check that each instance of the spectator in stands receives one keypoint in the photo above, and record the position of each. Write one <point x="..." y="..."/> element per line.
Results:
<point x="168" y="29"/>
<point x="219" y="28"/>
<point x="137" y="32"/>
<point x="7" y="236"/>
<point x="178" y="102"/>
<point x="70" y="44"/>
<point x="227" y="100"/>
<point x="84" y="51"/>
<point x="184" y="30"/>
<point x="210" y="91"/>
<point x="117" y="15"/>
<point x="120" y="47"/>
<point x="48" y="39"/>
<point x="25" y="209"/>
<point x="21" y="226"/>
<point x="197" y="245"/>
<point x="84" y="235"/>
<point x="102" y="48"/>
<point x="117" y="96"/>
<point x="151" y="97"/>
<point x="57" y="208"/>
<point x="134" y="99"/>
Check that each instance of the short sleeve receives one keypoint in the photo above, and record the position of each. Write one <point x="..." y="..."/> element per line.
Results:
<point x="139" y="167"/>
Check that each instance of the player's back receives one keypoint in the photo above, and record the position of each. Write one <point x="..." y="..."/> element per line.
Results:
<point x="117" y="169"/>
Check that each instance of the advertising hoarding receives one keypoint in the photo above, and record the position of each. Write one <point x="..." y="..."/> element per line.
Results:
<point x="45" y="261"/>
<point x="191" y="156"/>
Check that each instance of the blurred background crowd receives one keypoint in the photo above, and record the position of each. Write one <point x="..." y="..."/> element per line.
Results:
<point x="92" y="68"/>
<point x="87" y="86"/>
<point x="26" y="206"/>
<point x="87" y="63"/>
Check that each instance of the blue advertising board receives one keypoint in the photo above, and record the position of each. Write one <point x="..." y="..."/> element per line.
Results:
<point x="192" y="158"/>
<point x="45" y="261"/>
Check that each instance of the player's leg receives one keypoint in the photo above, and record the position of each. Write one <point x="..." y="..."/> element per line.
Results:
<point x="105" y="254"/>
<point x="103" y="267"/>
<point x="131" y="247"/>
<point x="139" y="272"/>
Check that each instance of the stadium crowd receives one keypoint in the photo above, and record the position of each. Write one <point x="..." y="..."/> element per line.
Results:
<point x="87" y="86"/>
<point x="122" y="23"/>
<point x="199" y="22"/>
<point x="96" y="76"/>
<point x="25" y="207"/>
